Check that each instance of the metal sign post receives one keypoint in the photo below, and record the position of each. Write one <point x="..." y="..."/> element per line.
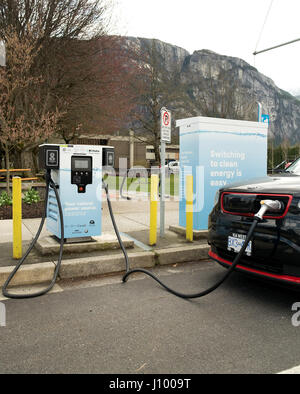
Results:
<point x="165" y="136"/>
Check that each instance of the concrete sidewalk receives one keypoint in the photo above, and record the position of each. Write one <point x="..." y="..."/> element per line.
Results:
<point x="132" y="218"/>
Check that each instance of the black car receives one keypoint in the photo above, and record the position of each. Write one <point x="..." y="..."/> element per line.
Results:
<point x="274" y="250"/>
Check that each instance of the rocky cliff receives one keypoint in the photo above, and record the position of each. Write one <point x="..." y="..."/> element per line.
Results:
<point x="221" y="83"/>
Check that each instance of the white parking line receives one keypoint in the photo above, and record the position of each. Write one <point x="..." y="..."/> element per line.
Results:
<point x="291" y="371"/>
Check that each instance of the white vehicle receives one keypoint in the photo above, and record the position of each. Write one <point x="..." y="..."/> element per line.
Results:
<point x="173" y="167"/>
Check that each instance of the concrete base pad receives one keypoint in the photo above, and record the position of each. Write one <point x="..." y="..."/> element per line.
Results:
<point x="107" y="241"/>
<point x="197" y="234"/>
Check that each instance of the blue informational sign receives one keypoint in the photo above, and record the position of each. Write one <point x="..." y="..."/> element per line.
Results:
<point x="218" y="152"/>
<point x="265" y="118"/>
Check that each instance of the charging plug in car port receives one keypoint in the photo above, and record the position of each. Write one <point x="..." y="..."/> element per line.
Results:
<point x="269" y="205"/>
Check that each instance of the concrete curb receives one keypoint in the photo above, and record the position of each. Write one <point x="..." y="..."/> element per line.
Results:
<point x="28" y="274"/>
<point x="86" y="267"/>
<point x="31" y="274"/>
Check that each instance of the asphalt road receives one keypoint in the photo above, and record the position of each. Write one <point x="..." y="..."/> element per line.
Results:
<point x="104" y="326"/>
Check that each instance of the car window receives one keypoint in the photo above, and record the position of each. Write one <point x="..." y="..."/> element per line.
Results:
<point x="294" y="167"/>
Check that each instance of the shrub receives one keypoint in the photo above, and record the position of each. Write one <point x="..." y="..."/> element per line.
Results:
<point x="32" y="196"/>
<point x="5" y="199"/>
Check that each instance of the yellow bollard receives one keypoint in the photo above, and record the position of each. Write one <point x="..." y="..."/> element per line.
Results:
<point x="153" y="209"/>
<point x="189" y="208"/>
<point x="17" y="218"/>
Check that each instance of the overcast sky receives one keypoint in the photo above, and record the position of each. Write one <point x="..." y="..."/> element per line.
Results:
<point x="228" y="27"/>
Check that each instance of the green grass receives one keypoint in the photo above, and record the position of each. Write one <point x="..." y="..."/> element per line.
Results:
<point x="143" y="184"/>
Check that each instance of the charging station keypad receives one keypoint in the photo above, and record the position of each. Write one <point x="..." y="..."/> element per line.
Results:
<point x="81" y="172"/>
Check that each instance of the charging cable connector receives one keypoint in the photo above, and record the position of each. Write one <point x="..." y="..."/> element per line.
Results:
<point x="268" y="205"/>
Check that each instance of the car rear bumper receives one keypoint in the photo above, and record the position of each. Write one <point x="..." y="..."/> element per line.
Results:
<point x="283" y="279"/>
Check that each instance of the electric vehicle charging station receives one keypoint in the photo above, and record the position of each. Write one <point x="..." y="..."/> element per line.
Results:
<point x="77" y="172"/>
<point x="73" y="198"/>
<point x="218" y="152"/>
<point x="74" y="174"/>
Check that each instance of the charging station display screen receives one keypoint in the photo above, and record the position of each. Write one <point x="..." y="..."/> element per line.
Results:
<point x="81" y="164"/>
<point x="81" y="172"/>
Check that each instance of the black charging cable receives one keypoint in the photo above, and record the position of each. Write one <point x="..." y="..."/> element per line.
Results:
<point x="49" y="184"/>
<point x="149" y="273"/>
<point x="122" y="186"/>
<point x="210" y="289"/>
<point x="105" y="186"/>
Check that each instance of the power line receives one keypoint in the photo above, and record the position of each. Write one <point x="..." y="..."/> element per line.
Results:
<point x="276" y="46"/>
<point x="264" y="24"/>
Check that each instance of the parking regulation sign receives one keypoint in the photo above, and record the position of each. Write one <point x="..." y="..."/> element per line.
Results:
<point x="165" y="125"/>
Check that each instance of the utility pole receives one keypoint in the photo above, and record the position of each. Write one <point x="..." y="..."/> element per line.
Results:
<point x="2" y="54"/>
<point x="2" y="64"/>
<point x="131" y="148"/>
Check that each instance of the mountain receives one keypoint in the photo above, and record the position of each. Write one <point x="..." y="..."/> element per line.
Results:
<point x="215" y="80"/>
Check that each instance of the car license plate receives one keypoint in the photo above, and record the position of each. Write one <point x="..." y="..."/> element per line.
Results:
<point x="236" y="242"/>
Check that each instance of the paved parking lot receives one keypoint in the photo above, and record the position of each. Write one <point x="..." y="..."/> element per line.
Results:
<point x="105" y="326"/>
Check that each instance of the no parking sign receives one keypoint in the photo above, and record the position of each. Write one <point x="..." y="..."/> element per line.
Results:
<point x="165" y="125"/>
